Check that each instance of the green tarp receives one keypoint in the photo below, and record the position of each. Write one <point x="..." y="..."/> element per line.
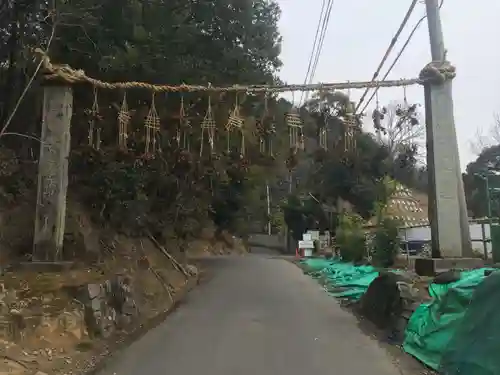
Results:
<point x="437" y="331"/>
<point x="432" y="325"/>
<point x="343" y="280"/>
<point x="475" y="346"/>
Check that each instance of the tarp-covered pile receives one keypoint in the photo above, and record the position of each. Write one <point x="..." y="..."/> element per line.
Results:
<point x="475" y="346"/>
<point x="343" y="280"/>
<point x="433" y="325"/>
<point x="458" y="332"/>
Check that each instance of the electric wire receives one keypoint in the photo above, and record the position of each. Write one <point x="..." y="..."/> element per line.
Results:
<point x="311" y="58"/>
<point x="408" y="40"/>
<point x="321" y="43"/>
<point x="389" y="49"/>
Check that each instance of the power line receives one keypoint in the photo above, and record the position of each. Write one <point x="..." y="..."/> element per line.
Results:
<point x="326" y="22"/>
<point x="389" y="49"/>
<point x="415" y="28"/>
<point x="311" y="58"/>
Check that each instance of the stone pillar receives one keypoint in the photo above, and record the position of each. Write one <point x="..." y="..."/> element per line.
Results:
<point x="447" y="211"/>
<point x="53" y="173"/>
<point x="447" y="208"/>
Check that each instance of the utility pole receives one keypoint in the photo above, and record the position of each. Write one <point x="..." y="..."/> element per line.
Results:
<point x="447" y="209"/>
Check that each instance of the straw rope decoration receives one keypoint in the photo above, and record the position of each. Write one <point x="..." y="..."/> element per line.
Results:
<point x="377" y="117"/>
<point x="350" y="132"/>
<point x="124" y="119"/>
<point x="323" y="141"/>
<point x="435" y="72"/>
<point x="235" y="122"/>
<point x="262" y="130"/>
<point x="152" y="129"/>
<point x="294" y="123"/>
<point x="208" y="126"/>
<point x="183" y="128"/>
<point x="98" y="139"/>
<point x="93" y="115"/>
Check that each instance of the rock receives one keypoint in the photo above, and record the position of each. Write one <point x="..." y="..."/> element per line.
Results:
<point x="80" y="238"/>
<point x="143" y="263"/>
<point x="72" y="322"/>
<point x="382" y="303"/>
<point x="6" y="329"/>
<point x="447" y="277"/>
<point x="192" y="269"/>
<point x="10" y="367"/>
<point x="94" y="290"/>
<point x="113" y="306"/>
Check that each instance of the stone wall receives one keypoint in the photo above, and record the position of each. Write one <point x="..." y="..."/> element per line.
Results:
<point x="96" y="310"/>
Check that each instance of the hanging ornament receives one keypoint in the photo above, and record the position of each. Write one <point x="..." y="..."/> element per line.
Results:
<point x="124" y="119"/>
<point x="208" y="127"/>
<point x="377" y="117"/>
<point x="94" y="117"/>
<point x="98" y="139"/>
<point x="350" y="128"/>
<point x="184" y="128"/>
<point x="235" y="122"/>
<point x="266" y="128"/>
<point x="294" y="124"/>
<point x="152" y="128"/>
<point x="270" y="133"/>
<point x="324" y="116"/>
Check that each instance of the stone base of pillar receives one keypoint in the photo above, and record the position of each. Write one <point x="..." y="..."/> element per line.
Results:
<point x="433" y="266"/>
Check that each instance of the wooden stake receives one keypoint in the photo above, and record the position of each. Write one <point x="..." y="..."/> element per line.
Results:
<point x="172" y="259"/>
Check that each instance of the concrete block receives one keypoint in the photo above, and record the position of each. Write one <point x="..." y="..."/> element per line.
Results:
<point x="431" y="266"/>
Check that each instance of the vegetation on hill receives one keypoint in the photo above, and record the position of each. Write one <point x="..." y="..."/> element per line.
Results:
<point x="193" y="42"/>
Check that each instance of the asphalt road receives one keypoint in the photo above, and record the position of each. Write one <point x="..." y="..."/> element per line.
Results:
<point x="256" y="315"/>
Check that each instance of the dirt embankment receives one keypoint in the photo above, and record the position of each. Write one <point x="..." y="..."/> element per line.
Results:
<point x="62" y="321"/>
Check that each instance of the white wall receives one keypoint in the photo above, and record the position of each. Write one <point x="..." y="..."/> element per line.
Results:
<point x="424" y="234"/>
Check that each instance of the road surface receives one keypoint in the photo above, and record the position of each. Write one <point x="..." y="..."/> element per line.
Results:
<point x="257" y="315"/>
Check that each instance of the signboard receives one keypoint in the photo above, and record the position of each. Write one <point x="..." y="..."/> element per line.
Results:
<point x="314" y="234"/>
<point x="307" y="237"/>
<point x="306" y="244"/>
<point x="323" y="241"/>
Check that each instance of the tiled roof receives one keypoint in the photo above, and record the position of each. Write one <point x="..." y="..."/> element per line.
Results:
<point x="406" y="207"/>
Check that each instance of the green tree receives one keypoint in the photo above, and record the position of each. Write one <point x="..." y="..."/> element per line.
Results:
<point x="171" y="42"/>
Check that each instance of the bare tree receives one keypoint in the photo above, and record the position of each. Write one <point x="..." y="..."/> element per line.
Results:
<point x="398" y="127"/>
<point x="486" y="139"/>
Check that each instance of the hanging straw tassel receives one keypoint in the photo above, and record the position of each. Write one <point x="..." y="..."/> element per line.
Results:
<point x="208" y="126"/>
<point x="152" y="129"/>
<point x="124" y="118"/>
<point x="94" y="114"/>
<point x="235" y="121"/>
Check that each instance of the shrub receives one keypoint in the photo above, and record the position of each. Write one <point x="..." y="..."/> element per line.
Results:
<point x="351" y="238"/>
<point x="386" y="243"/>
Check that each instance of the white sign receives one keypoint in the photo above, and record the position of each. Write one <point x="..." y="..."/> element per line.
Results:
<point x="323" y="240"/>
<point x="306" y="237"/>
<point x="314" y="234"/>
<point x="306" y="244"/>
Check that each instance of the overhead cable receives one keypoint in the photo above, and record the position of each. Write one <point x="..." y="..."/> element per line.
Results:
<point x="311" y="58"/>
<point x="415" y="28"/>
<point x="389" y="49"/>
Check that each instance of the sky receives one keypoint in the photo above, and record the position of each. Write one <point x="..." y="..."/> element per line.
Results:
<point x="360" y="31"/>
